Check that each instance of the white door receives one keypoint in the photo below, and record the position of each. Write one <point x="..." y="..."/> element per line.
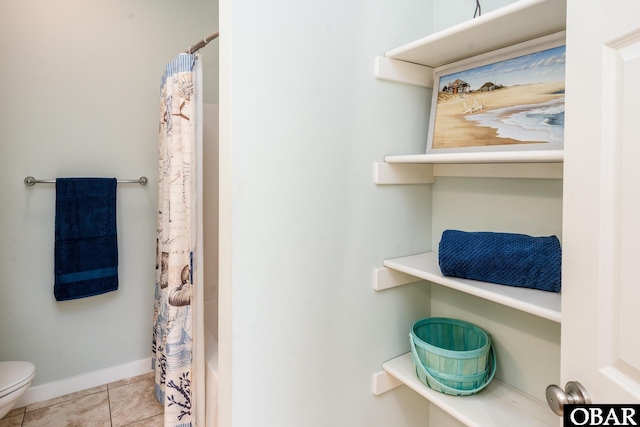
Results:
<point x="601" y="222"/>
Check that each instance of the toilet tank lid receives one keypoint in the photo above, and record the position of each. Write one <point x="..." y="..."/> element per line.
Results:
<point x="12" y="373"/>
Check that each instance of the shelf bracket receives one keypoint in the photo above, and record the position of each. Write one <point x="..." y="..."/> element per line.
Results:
<point x="405" y="72"/>
<point x="385" y="278"/>
<point x="383" y="382"/>
<point x="402" y="173"/>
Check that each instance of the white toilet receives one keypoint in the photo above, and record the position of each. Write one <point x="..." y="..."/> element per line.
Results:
<point x="15" y="379"/>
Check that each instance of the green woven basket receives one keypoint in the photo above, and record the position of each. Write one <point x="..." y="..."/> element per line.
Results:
<point x="452" y="356"/>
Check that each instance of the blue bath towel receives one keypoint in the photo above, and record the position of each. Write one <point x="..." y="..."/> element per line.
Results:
<point x="503" y="258"/>
<point x="86" y="244"/>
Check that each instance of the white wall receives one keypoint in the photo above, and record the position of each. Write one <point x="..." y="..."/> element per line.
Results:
<point x="79" y="84"/>
<point x="302" y="224"/>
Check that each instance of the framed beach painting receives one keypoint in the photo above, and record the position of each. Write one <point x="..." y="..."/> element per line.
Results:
<point x="511" y="99"/>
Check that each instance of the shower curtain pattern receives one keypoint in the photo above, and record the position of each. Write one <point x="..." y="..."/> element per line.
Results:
<point x="173" y="335"/>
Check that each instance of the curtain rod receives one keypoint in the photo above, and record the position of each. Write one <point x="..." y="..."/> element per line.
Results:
<point x="202" y="43"/>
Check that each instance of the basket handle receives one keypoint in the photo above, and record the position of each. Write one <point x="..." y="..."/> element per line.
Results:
<point x="424" y="370"/>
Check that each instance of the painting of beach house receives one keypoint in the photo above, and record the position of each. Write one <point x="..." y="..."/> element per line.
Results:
<point x="516" y="103"/>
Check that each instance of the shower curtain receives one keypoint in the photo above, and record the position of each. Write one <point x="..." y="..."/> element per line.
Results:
<point x="178" y="337"/>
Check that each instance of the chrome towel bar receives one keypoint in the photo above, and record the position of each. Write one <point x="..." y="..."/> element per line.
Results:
<point x="30" y="181"/>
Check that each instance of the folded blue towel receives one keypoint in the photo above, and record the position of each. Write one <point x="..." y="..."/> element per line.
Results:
<point x="503" y="258"/>
<point x="86" y="245"/>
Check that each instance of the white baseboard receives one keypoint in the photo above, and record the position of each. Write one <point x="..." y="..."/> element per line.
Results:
<point x="54" y="389"/>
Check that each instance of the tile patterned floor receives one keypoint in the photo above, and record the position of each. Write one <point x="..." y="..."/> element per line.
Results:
<point x="130" y="402"/>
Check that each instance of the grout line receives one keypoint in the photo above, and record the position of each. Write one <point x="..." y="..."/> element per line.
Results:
<point x="109" y="403"/>
<point x="62" y="401"/>
<point x="140" y="378"/>
<point x="141" y="419"/>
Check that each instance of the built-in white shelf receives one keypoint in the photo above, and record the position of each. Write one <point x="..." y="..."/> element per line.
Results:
<point x="426" y="173"/>
<point x="499" y="404"/>
<point x="499" y="170"/>
<point x="425" y="266"/>
<point x="413" y="63"/>
<point x="496" y="405"/>
<point x="539" y="156"/>
<point x="506" y="26"/>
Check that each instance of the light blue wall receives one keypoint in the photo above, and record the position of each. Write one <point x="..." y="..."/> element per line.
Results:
<point x="527" y="347"/>
<point x="79" y="84"/>
<point x="307" y="121"/>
